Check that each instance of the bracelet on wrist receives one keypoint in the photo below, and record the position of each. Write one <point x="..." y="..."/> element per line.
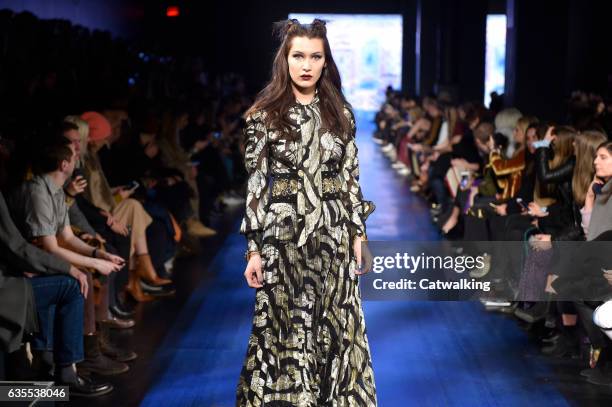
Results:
<point x="249" y="253"/>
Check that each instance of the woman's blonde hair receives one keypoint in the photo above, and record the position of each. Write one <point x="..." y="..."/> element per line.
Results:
<point x="83" y="129"/>
<point x="523" y="123"/>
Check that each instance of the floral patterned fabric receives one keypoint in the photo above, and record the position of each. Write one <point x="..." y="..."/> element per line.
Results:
<point x="308" y="345"/>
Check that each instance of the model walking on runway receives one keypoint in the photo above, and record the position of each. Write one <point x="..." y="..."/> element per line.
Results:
<point x="304" y="224"/>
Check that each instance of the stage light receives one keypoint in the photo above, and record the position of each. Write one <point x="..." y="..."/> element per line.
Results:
<point x="173" y="11"/>
<point x="495" y="56"/>
<point x="368" y="51"/>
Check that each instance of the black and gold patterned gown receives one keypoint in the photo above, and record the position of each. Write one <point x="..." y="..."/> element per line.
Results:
<point x="308" y="345"/>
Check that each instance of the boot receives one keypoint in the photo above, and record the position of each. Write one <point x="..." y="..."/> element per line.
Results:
<point x="42" y="364"/>
<point x="157" y="290"/>
<point x="135" y="290"/>
<point x="146" y="271"/>
<point x="601" y="376"/>
<point x="80" y="386"/>
<point x="96" y="362"/>
<point x="537" y="312"/>
<point x="564" y="346"/>
<point x="87" y="387"/>
<point x="114" y="352"/>
<point x="197" y="229"/>
<point x="118" y="323"/>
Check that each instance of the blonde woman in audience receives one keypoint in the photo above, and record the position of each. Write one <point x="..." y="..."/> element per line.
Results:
<point x="124" y="215"/>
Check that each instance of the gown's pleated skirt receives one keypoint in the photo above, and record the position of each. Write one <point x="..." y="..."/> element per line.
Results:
<point x="308" y="345"/>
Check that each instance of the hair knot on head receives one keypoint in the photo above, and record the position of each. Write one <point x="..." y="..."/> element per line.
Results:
<point x="318" y="24"/>
<point x="283" y="28"/>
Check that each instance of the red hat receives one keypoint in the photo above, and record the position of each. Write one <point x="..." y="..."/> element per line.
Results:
<point x="99" y="127"/>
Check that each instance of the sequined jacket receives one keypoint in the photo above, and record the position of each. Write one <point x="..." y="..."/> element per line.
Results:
<point x="297" y="185"/>
<point x="508" y="172"/>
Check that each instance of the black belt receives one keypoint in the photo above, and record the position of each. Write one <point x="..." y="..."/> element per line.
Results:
<point x="285" y="186"/>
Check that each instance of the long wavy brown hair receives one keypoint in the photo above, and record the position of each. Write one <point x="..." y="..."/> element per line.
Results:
<point x="587" y="144"/>
<point x="607" y="145"/>
<point x="277" y="96"/>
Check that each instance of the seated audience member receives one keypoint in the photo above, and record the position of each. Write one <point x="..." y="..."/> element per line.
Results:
<point x="174" y="156"/>
<point x="602" y="317"/>
<point x="506" y="123"/>
<point x="40" y="212"/>
<point x="127" y="213"/>
<point x="91" y="223"/>
<point x="34" y="280"/>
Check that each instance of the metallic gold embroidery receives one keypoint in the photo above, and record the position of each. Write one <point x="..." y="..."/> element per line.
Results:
<point x="284" y="187"/>
<point x="331" y="185"/>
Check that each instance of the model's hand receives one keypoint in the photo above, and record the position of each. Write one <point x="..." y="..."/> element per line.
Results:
<point x="364" y="258"/>
<point x="253" y="273"/>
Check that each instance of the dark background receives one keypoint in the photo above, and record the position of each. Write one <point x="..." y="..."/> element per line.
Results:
<point x="553" y="47"/>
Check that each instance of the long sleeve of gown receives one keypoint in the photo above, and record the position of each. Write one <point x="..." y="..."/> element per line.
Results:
<point x="358" y="208"/>
<point x="257" y="167"/>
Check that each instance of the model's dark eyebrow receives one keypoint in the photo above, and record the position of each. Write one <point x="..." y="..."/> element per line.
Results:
<point x="302" y="53"/>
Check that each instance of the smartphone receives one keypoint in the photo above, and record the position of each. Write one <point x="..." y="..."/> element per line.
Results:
<point x="78" y="172"/>
<point x="520" y="203"/>
<point x="597" y="188"/>
<point x="133" y="185"/>
<point x="465" y="178"/>
<point x="217" y="134"/>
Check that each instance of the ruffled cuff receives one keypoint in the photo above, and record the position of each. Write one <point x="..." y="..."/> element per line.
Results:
<point x="359" y="227"/>
<point x="254" y="241"/>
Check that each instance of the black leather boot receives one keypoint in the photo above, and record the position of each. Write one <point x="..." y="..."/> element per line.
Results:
<point x="96" y="362"/>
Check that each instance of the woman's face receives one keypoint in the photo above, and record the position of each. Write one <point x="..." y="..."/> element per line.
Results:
<point x="529" y="138"/>
<point x="75" y="139"/>
<point x="519" y="135"/>
<point x="603" y="163"/>
<point x="306" y="60"/>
